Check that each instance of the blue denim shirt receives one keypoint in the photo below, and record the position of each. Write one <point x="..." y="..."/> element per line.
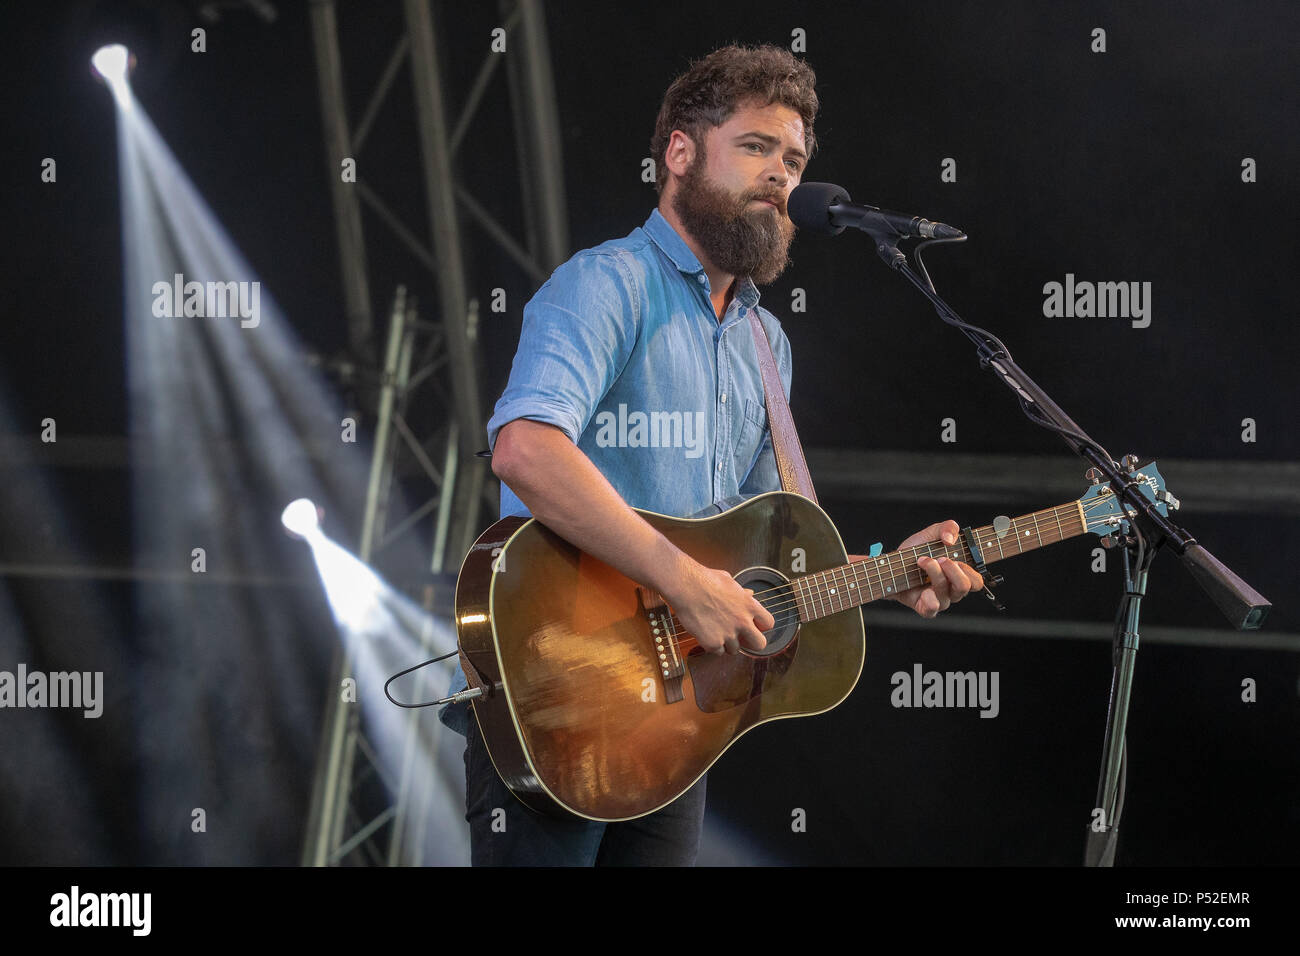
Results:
<point x="622" y="351"/>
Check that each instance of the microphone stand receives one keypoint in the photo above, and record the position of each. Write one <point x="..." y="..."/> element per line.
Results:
<point x="1143" y="532"/>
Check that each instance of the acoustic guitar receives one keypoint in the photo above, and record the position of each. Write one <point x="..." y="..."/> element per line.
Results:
<point x="597" y="704"/>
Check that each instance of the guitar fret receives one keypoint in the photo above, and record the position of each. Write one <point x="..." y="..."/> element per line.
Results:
<point x="857" y="583"/>
<point x="862" y="571"/>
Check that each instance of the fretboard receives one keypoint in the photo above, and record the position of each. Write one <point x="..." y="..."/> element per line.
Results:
<point x="851" y="585"/>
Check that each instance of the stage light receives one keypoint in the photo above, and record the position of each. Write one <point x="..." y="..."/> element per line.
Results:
<point x="197" y="381"/>
<point x="111" y="63"/>
<point x="301" y="518"/>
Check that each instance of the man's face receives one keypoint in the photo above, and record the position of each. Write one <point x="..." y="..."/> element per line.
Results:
<point x="732" y="198"/>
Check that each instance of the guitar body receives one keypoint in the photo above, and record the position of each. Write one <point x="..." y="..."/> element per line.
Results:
<point x="578" y="718"/>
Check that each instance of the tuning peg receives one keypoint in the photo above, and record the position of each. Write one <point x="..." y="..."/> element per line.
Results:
<point x="1130" y="462"/>
<point x="1167" y="498"/>
<point x="1093" y="475"/>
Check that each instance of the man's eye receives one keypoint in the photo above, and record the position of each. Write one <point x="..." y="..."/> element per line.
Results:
<point x="793" y="164"/>
<point x="755" y="146"/>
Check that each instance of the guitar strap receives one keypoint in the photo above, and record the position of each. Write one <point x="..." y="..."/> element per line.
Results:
<point x="790" y="463"/>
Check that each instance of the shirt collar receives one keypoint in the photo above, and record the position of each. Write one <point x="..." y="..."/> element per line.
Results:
<point x="675" y="248"/>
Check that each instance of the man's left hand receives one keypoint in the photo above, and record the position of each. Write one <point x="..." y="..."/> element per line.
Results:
<point x="950" y="580"/>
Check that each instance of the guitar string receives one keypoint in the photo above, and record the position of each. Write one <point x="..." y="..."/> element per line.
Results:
<point x="827" y="598"/>
<point x="1020" y="523"/>
<point x="827" y="593"/>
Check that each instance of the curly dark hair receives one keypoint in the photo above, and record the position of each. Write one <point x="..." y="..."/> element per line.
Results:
<point x="713" y="88"/>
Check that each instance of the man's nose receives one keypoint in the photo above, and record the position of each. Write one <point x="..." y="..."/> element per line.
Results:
<point x="778" y="174"/>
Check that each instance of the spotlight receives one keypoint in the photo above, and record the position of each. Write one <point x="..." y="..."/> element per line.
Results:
<point x="111" y="64"/>
<point x="301" y="518"/>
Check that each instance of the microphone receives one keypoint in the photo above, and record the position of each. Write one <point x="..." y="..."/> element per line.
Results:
<point x="826" y="209"/>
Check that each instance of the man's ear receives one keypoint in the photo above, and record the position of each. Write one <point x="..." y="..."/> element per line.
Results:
<point x="680" y="153"/>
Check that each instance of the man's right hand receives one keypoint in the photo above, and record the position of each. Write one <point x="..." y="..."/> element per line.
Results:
<point x="717" y="611"/>
<point x="565" y="492"/>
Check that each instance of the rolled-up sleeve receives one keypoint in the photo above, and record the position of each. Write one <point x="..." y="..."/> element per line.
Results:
<point x="578" y="333"/>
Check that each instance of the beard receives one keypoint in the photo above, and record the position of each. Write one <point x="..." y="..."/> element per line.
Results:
<point x="740" y="239"/>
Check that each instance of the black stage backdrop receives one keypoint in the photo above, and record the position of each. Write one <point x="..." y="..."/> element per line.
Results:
<point x="1162" y="152"/>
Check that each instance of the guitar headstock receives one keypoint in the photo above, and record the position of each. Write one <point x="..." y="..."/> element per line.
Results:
<point x="1105" y="515"/>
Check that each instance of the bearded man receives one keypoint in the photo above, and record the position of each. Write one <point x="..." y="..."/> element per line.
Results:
<point x="656" y="325"/>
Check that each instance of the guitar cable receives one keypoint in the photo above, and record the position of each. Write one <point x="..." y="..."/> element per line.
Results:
<point x="431" y="703"/>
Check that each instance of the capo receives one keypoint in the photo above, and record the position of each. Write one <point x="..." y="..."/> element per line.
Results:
<point x="977" y="562"/>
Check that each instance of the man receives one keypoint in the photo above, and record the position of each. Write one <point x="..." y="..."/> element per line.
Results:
<point x="656" y="324"/>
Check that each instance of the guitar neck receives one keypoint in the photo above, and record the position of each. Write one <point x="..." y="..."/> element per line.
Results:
<point x="861" y="582"/>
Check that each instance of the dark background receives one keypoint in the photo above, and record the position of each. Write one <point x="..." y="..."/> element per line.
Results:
<point x="1122" y="166"/>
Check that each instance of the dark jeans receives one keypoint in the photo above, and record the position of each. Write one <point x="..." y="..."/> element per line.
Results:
<point x="523" y="837"/>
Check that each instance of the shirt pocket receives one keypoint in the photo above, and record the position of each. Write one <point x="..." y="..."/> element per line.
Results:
<point x="750" y="438"/>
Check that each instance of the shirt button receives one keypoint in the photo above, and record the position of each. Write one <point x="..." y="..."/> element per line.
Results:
<point x="724" y="398"/>
<point x="719" y="466"/>
<point x="704" y="280"/>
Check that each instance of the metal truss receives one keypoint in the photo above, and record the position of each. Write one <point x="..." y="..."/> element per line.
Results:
<point x="428" y="409"/>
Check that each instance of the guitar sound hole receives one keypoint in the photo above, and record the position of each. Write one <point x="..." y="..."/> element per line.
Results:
<point x="776" y="594"/>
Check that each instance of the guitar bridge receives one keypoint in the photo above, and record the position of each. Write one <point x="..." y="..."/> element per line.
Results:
<point x="672" y="668"/>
